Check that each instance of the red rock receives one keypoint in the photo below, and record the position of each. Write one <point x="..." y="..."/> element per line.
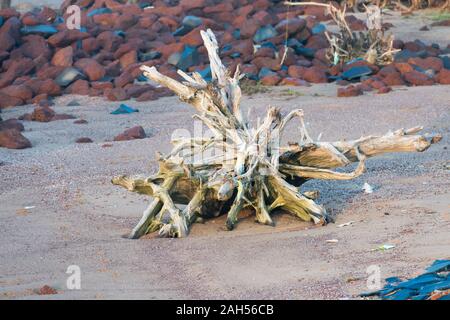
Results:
<point x="265" y="52"/>
<point x="66" y="37"/>
<point x="289" y="59"/>
<point x="116" y="94"/>
<point x="10" y="33"/>
<point x="128" y="59"/>
<point x="47" y="86"/>
<point x="42" y="114"/>
<point x="102" y="85"/>
<point x="80" y="87"/>
<point x="125" y="21"/>
<point x="11" y="124"/>
<point x="18" y="91"/>
<point x="106" y="19"/>
<point x="47" y="290"/>
<point x="192" y="4"/>
<point x="133" y="44"/>
<point x="377" y="84"/>
<point x="148" y="96"/>
<point x="394" y="79"/>
<point x="296" y="71"/>
<point x="113" y="69"/>
<point x="41" y="97"/>
<point x="109" y="41"/>
<point x="272" y="64"/>
<point x="221" y="7"/>
<point x="317" y="42"/>
<point x="412" y="46"/>
<point x="8" y="101"/>
<point x="403" y="67"/>
<point x="47" y="14"/>
<point x="63" y="57"/>
<point x="13" y="139"/>
<point x="7" y="13"/>
<point x="433" y="63"/>
<point x="84" y="140"/>
<point x="193" y="38"/>
<point x="443" y="77"/>
<point x="80" y="121"/>
<point x="263" y="17"/>
<point x="262" y="4"/>
<point x="169" y="22"/>
<point x="315" y="75"/>
<point x="244" y="47"/>
<point x="30" y="19"/>
<point x="270" y="80"/>
<point x="147" y="21"/>
<point x="383" y="90"/>
<point x="167" y="50"/>
<point x="17" y="68"/>
<point x="49" y="72"/>
<point x="364" y="87"/>
<point x="355" y="24"/>
<point x="34" y="46"/>
<point x="91" y="68"/>
<point x="62" y="116"/>
<point x="136" y="132"/>
<point x="90" y="45"/>
<point x="350" y="91"/>
<point x="245" y="10"/>
<point x="417" y="78"/>
<point x="124" y="79"/>
<point x="318" y="12"/>
<point x="135" y="91"/>
<point x="249" y="28"/>
<point x="293" y="25"/>
<point x="294" y="82"/>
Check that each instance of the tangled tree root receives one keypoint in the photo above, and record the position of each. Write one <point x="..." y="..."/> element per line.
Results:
<point x="372" y="45"/>
<point x="249" y="169"/>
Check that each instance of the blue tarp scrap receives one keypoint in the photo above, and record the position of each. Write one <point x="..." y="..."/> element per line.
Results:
<point x="124" y="109"/>
<point x="433" y="284"/>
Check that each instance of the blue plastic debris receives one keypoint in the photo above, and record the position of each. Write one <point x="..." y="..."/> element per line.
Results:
<point x="145" y="56"/>
<point x="68" y="75"/>
<point x="58" y="20"/>
<point x="269" y="44"/>
<point x="99" y="11"/>
<point x="119" y="33"/>
<point x="192" y="21"/>
<point x="265" y="33"/>
<point x="356" y="72"/>
<point x="43" y="29"/>
<point x="188" y="58"/>
<point x="124" y="109"/>
<point x="434" y="282"/>
<point x="306" y="52"/>
<point x="1" y="21"/>
<point x="236" y="34"/>
<point x="206" y="74"/>
<point x="264" y="72"/>
<point x="181" y="31"/>
<point x="318" y="28"/>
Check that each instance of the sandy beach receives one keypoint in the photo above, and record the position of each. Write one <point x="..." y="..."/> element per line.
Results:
<point x="77" y="217"/>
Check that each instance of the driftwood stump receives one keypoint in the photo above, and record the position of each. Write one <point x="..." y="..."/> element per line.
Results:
<point x="249" y="168"/>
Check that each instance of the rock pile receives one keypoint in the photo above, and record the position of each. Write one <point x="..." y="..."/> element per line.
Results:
<point x="41" y="58"/>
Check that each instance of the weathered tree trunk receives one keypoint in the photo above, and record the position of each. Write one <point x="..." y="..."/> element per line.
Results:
<point x="253" y="170"/>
